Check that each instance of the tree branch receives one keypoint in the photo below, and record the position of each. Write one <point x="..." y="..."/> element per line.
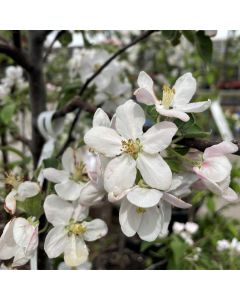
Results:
<point x="18" y="56"/>
<point x="49" y="49"/>
<point x="74" y="104"/>
<point x="201" y="145"/>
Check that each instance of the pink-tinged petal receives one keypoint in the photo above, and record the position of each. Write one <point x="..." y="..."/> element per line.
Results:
<point x="158" y="137"/>
<point x="76" y="251"/>
<point x="10" y="202"/>
<point x="54" y="175"/>
<point x="215" y="168"/>
<point x="57" y="211"/>
<point x="28" y="189"/>
<point x="195" y="107"/>
<point x="230" y="195"/>
<point x="151" y="224"/>
<point x="185" y="88"/>
<point x="95" y="230"/>
<point x="129" y="219"/>
<point x="130" y="119"/>
<point x="143" y="197"/>
<point x="220" y="149"/>
<point x="212" y="186"/>
<point x="56" y="241"/>
<point x="172" y="113"/>
<point x="100" y="118"/>
<point x="68" y="190"/>
<point x="154" y="170"/>
<point x="104" y="140"/>
<point x="120" y="174"/>
<point x="20" y="258"/>
<point x="144" y="96"/>
<point x="91" y="193"/>
<point x="8" y="246"/>
<point x="171" y="199"/>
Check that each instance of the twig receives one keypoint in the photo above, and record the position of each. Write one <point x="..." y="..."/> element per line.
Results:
<point x="91" y="78"/>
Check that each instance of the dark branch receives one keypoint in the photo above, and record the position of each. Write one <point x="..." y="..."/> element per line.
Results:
<point x="201" y="145"/>
<point x="18" y="56"/>
<point x="49" y="49"/>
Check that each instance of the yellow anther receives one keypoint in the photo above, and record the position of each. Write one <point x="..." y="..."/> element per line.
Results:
<point x="131" y="147"/>
<point x="76" y="229"/>
<point x="80" y="173"/>
<point x="168" y="95"/>
<point x="140" y="210"/>
<point x="13" y="180"/>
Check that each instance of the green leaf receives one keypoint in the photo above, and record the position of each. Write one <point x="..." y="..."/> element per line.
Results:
<point x="65" y="39"/>
<point x="204" y="46"/>
<point x="196" y="132"/>
<point x="32" y="206"/>
<point x="178" y="248"/>
<point x="7" y="113"/>
<point x="51" y="163"/>
<point x="189" y="35"/>
<point x="210" y="204"/>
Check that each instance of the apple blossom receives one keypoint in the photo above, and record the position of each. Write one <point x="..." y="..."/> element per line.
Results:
<point x="80" y="170"/>
<point x="21" y="191"/>
<point x="175" y="101"/>
<point x="70" y="231"/>
<point x="131" y="149"/>
<point x="19" y="240"/>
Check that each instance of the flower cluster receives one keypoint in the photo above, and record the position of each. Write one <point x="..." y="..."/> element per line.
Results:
<point x="111" y="90"/>
<point x="232" y="247"/>
<point x="186" y="231"/>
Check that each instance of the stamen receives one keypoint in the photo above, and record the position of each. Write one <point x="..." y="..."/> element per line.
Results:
<point x="13" y="180"/>
<point x="132" y="147"/>
<point x="76" y="228"/>
<point x="168" y="95"/>
<point x="140" y="210"/>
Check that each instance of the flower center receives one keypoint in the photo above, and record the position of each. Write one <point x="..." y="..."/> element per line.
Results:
<point x="75" y="228"/>
<point x="140" y="210"/>
<point x="132" y="147"/>
<point x="13" y="180"/>
<point x="168" y="95"/>
<point x="80" y="173"/>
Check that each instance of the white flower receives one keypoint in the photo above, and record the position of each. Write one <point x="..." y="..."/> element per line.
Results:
<point x="186" y="237"/>
<point x="175" y="101"/>
<point x="70" y="232"/>
<point x="191" y="227"/>
<point x="215" y="166"/>
<point x="80" y="170"/>
<point x="131" y="149"/>
<point x="19" y="240"/>
<point x="85" y="266"/>
<point x="20" y="192"/>
<point x="14" y="77"/>
<point x="223" y="245"/>
<point x="146" y="222"/>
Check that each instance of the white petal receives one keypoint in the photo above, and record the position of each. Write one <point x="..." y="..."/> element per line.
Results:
<point x="151" y="224"/>
<point x="95" y="230"/>
<point x="145" y="81"/>
<point x="68" y="161"/>
<point x="54" y="175"/>
<point x="144" y="96"/>
<point x="129" y="219"/>
<point x="215" y="168"/>
<point x="76" y="252"/>
<point x="104" y="140"/>
<point x="114" y="198"/>
<point x="20" y="258"/>
<point x="120" y="174"/>
<point x="185" y="88"/>
<point x="158" y="137"/>
<point x="57" y="211"/>
<point x="91" y="193"/>
<point x="100" y="118"/>
<point x="172" y="113"/>
<point x="212" y="186"/>
<point x="143" y="197"/>
<point x="166" y="210"/>
<point x="8" y="245"/>
<point x="220" y="149"/>
<point x="175" y="201"/>
<point x="195" y="107"/>
<point x="154" y="170"/>
<point x="23" y="232"/>
<point x="10" y="202"/>
<point x="230" y="195"/>
<point x="55" y="242"/>
<point x="80" y="212"/>
<point x="28" y="189"/>
<point x="130" y="119"/>
<point x="68" y="190"/>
